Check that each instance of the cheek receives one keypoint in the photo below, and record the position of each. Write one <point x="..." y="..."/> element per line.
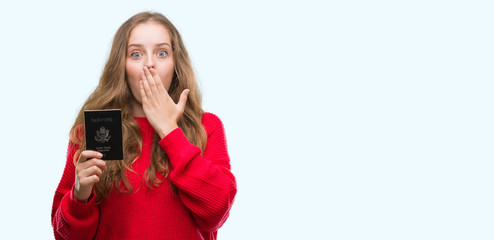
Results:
<point x="133" y="71"/>
<point x="166" y="75"/>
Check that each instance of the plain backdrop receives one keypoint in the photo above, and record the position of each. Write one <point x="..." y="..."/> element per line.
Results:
<point x="344" y="119"/>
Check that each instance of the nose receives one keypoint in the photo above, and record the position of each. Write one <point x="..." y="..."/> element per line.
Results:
<point x="149" y="62"/>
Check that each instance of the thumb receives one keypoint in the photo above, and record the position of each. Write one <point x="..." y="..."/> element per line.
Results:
<point x="183" y="100"/>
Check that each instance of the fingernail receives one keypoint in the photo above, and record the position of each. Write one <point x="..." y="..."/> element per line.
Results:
<point x="100" y="155"/>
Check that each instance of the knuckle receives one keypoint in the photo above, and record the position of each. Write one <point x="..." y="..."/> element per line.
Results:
<point x="82" y="182"/>
<point x="79" y="168"/>
<point x="95" y="178"/>
<point x="102" y="165"/>
<point x="86" y="153"/>
<point x="81" y="157"/>
<point x="94" y="170"/>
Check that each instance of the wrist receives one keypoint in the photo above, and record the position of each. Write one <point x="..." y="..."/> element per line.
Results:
<point x="75" y="196"/>
<point x="165" y="131"/>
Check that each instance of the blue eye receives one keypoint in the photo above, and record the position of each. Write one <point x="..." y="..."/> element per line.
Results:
<point x="136" y="55"/>
<point x="162" y="53"/>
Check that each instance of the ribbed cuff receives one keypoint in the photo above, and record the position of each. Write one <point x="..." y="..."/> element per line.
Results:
<point x="174" y="144"/>
<point x="78" y="209"/>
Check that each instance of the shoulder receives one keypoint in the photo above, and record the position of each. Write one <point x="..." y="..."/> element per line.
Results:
<point x="210" y="117"/>
<point x="211" y="122"/>
<point x="77" y="134"/>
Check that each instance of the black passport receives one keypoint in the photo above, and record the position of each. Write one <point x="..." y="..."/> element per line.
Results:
<point x="103" y="129"/>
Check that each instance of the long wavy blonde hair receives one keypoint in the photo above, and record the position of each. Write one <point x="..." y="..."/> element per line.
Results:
<point x="113" y="92"/>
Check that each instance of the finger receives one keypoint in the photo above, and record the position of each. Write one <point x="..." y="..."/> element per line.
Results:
<point x="147" y="89"/>
<point x="151" y="81"/>
<point x="99" y="163"/>
<point x="159" y="84"/>
<point x="87" y="154"/>
<point x="92" y="162"/>
<point x="93" y="170"/>
<point x="144" y="99"/>
<point x="91" y="180"/>
<point x="183" y="100"/>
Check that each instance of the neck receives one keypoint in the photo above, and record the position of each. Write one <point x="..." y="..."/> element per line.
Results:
<point x="138" y="111"/>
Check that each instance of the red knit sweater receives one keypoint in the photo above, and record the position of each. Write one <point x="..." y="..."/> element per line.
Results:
<point x="206" y="189"/>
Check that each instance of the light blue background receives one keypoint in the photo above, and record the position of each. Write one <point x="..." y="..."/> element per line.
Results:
<point x="344" y="119"/>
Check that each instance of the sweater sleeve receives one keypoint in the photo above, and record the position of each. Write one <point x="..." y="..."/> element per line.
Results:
<point x="70" y="218"/>
<point x="205" y="183"/>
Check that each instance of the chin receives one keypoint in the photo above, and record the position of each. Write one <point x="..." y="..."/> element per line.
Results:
<point x="137" y="100"/>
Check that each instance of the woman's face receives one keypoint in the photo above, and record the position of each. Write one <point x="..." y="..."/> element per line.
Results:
<point x="149" y="46"/>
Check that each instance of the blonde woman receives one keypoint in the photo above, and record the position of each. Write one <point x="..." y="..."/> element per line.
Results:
<point x="175" y="180"/>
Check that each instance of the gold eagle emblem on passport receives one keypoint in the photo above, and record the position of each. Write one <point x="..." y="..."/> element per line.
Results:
<point x="102" y="135"/>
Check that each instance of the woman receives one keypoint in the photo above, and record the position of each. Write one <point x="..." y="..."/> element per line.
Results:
<point x="174" y="181"/>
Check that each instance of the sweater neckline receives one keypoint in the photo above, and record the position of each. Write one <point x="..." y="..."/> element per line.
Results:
<point x="143" y="122"/>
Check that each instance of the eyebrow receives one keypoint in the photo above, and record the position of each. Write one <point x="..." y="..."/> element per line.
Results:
<point x="140" y="45"/>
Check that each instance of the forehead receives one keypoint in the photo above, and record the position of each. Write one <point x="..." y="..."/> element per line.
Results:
<point x="149" y="33"/>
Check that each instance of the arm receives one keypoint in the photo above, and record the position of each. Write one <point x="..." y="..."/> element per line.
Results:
<point x="70" y="218"/>
<point x="205" y="184"/>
